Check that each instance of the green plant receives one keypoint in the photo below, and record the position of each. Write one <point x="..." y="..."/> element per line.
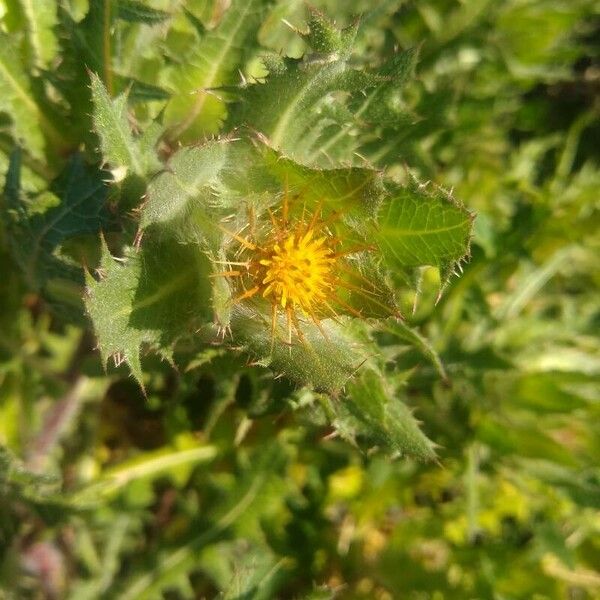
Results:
<point x="168" y="283"/>
<point x="170" y="167"/>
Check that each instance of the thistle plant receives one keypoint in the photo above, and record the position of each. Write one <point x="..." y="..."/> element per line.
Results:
<point x="293" y="262"/>
<point x="276" y="237"/>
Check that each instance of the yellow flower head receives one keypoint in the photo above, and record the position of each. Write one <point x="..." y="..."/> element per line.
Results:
<point x="298" y="268"/>
<point x="298" y="271"/>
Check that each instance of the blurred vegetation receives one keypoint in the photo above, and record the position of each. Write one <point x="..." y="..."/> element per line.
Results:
<point x="225" y="481"/>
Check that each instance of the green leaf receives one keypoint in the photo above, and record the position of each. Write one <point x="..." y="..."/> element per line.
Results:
<point x="87" y="48"/>
<point x="324" y="359"/>
<point x="17" y="99"/>
<point x="110" y="122"/>
<point x="139" y="91"/>
<point x="148" y="465"/>
<point x="40" y="16"/>
<point x="315" y="109"/>
<point x="324" y="37"/>
<point x="351" y="191"/>
<point x="186" y="187"/>
<point x="288" y="107"/>
<point x="16" y="479"/>
<point x="213" y="61"/>
<point x="372" y="411"/>
<point x="232" y="174"/>
<point x="417" y="227"/>
<point x="254" y="575"/>
<point x="381" y="105"/>
<point x="150" y="297"/>
<point x="20" y="486"/>
<point x="79" y="207"/>
<point x="404" y="332"/>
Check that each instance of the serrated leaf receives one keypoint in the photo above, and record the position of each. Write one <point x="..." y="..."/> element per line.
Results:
<point x="152" y="297"/>
<point x="110" y="122"/>
<point x="373" y="412"/>
<point x="214" y="61"/>
<point x="381" y="105"/>
<point x="82" y="209"/>
<point x="324" y="37"/>
<point x="287" y="107"/>
<point x="315" y="109"/>
<point x="419" y="227"/>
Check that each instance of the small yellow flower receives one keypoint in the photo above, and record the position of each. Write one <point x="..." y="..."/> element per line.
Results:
<point x="299" y="271"/>
<point x="298" y="267"/>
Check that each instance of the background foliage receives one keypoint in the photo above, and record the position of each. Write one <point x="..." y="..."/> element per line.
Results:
<point x="222" y="479"/>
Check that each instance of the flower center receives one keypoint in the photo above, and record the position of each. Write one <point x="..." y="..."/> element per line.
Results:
<point x="297" y="272"/>
<point x="299" y="269"/>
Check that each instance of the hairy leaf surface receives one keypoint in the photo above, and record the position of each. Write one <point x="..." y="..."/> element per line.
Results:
<point x="119" y="148"/>
<point x="314" y="108"/>
<point x="151" y="297"/>
<point x="187" y="183"/>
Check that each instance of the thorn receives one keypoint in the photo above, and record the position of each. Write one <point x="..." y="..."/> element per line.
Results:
<point x="101" y="273"/>
<point x="363" y="158"/>
<point x="288" y="24"/>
